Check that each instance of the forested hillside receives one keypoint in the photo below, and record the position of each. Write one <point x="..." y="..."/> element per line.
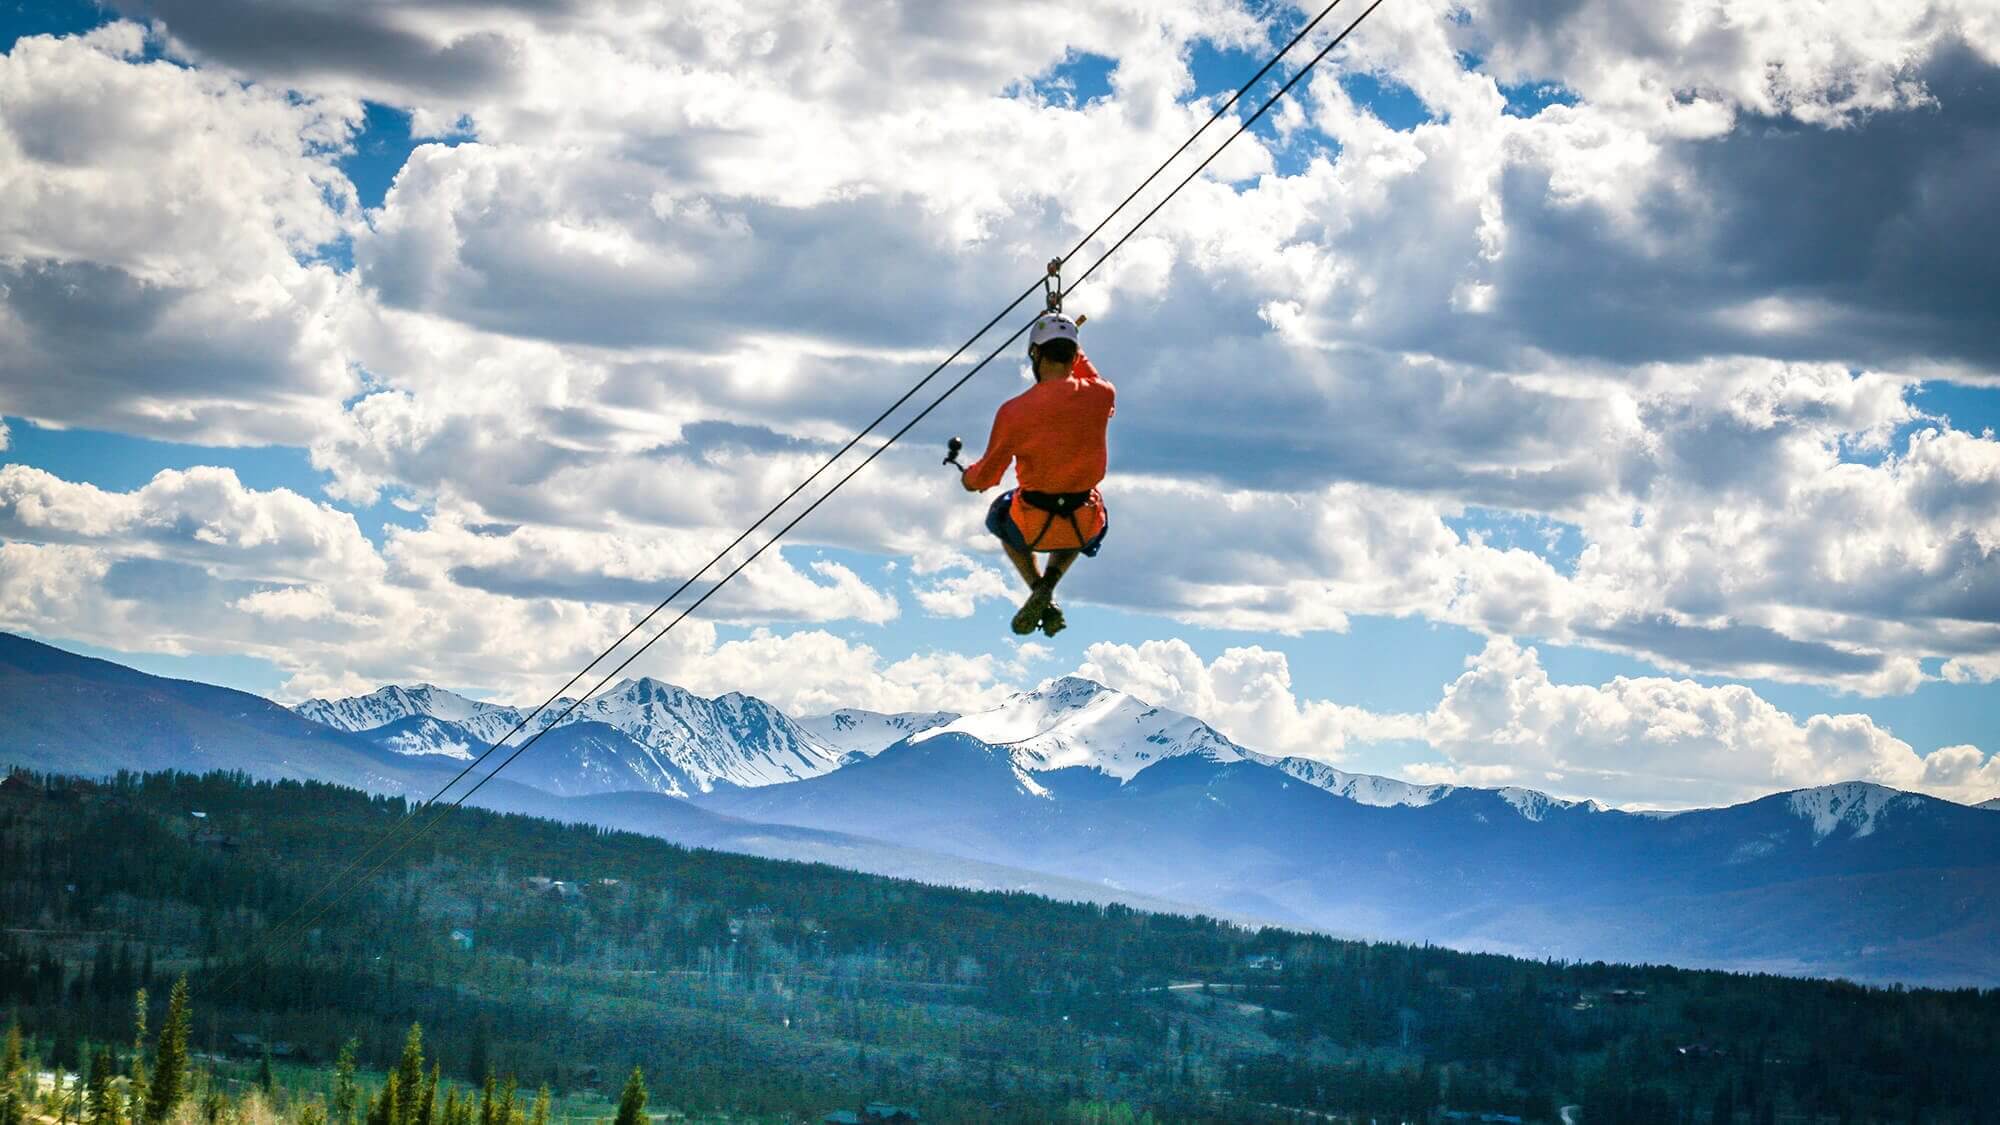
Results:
<point x="566" y="956"/>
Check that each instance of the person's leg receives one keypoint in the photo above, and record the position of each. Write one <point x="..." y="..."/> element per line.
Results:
<point x="1059" y="562"/>
<point x="1041" y="588"/>
<point x="1024" y="563"/>
<point x="1051" y="621"/>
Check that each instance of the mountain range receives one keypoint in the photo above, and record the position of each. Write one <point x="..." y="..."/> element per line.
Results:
<point x="1079" y="790"/>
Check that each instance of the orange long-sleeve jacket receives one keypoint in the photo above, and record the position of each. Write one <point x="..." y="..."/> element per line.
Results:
<point x="1053" y="434"/>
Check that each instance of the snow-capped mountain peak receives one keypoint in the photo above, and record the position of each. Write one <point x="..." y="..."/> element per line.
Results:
<point x="389" y="704"/>
<point x="1535" y="804"/>
<point x="1856" y="804"/>
<point x="850" y="731"/>
<point x="1077" y="722"/>
<point x="735" y="738"/>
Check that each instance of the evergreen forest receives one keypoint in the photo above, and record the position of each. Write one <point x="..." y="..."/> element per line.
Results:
<point x="156" y="966"/>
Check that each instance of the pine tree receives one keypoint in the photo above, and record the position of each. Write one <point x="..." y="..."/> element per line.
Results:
<point x="486" y="1100"/>
<point x="382" y="1110"/>
<point x="345" y="1094"/>
<point x="427" y="1104"/>
<point x="265" y="1080"/>
<point x="100" y="1105"/>
<point x="540" y="1115"/>
<point x="13" y="1092"/>
<point x="170" y="1056"/>
<point x="409" y="1077"/>
<point x="135" y="1090"/>
<point x="505" y="1112"/>
<point x="632" y="1103"/>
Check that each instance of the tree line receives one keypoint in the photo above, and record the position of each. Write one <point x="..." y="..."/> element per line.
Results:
<point x="773" y="986"/>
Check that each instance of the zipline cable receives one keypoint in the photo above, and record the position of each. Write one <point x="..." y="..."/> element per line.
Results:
<point x="530" y="716"/>
<point x="837" y="485"/>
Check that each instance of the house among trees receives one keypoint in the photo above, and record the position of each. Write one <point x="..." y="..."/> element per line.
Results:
<point x="252" y="1046"/>
<point x="554" y="888"/>
<point x="462" y="939"/>
<point x="1264" y="962"/>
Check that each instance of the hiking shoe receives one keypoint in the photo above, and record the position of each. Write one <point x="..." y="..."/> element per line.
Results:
<point x="1052" y="620"/>
<point x="1030" y="616"/>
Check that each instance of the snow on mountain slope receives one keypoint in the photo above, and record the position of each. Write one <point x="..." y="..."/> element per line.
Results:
<point x="383" y="706"/>
<point x="1992" y="804"/>
<point x="1361" y="788"/>
<point x="733" y="738"/>
<point x="1075" y="722"/>
<point x="851" y="731"/>
<point x="677" y="738"/>
<point x="1387" y="792"/>
<point x="1852" y="803"/>
<point x="1535" y="805"/>
<point x="418" y="735"/>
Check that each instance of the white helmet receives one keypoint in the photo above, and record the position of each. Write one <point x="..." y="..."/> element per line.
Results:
<point x="1051" y="326"/>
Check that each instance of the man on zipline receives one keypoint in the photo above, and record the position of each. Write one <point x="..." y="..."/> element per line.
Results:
<point x="1053" y="432"/>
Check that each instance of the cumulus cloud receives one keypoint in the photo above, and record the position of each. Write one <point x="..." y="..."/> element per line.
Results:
<point x="1652" y="740"/>
<point x="202" y="516"/>
<point x="1246" y="693"/>
<point x="812" y="672"/>
<point x="1648" y="741"/>
<point x="153" y="222"/>
<point x="194" y="561"/>
<point x="955" y="584"/>
<point x="634" y="570"/>
<point x="685" y="252"/>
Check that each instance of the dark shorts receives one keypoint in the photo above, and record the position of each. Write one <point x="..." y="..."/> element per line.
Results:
<point x="1000" y="521"/>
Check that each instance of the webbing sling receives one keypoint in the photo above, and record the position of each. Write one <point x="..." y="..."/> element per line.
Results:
<point x="1054" y="504"/>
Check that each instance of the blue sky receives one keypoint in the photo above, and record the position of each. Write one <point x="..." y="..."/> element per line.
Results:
<point x="1533" y="435"/>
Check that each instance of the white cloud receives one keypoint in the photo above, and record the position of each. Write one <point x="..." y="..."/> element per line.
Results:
<point x="959" y="595"/>
<point x="1246" y="693"/>
<point x="688" y="248"/>
<point x="194" y="561"/>
<point x="811" y="672"/>
<point x="1648" y="741"/>
<point x="152" y="224"/>
<point x="1822" y="62"/>
<point x="1657" y="741"/>
<point x="202" y="516"/>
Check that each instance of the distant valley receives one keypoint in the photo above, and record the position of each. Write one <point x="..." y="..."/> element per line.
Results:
<point x="1077" y="790"/>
